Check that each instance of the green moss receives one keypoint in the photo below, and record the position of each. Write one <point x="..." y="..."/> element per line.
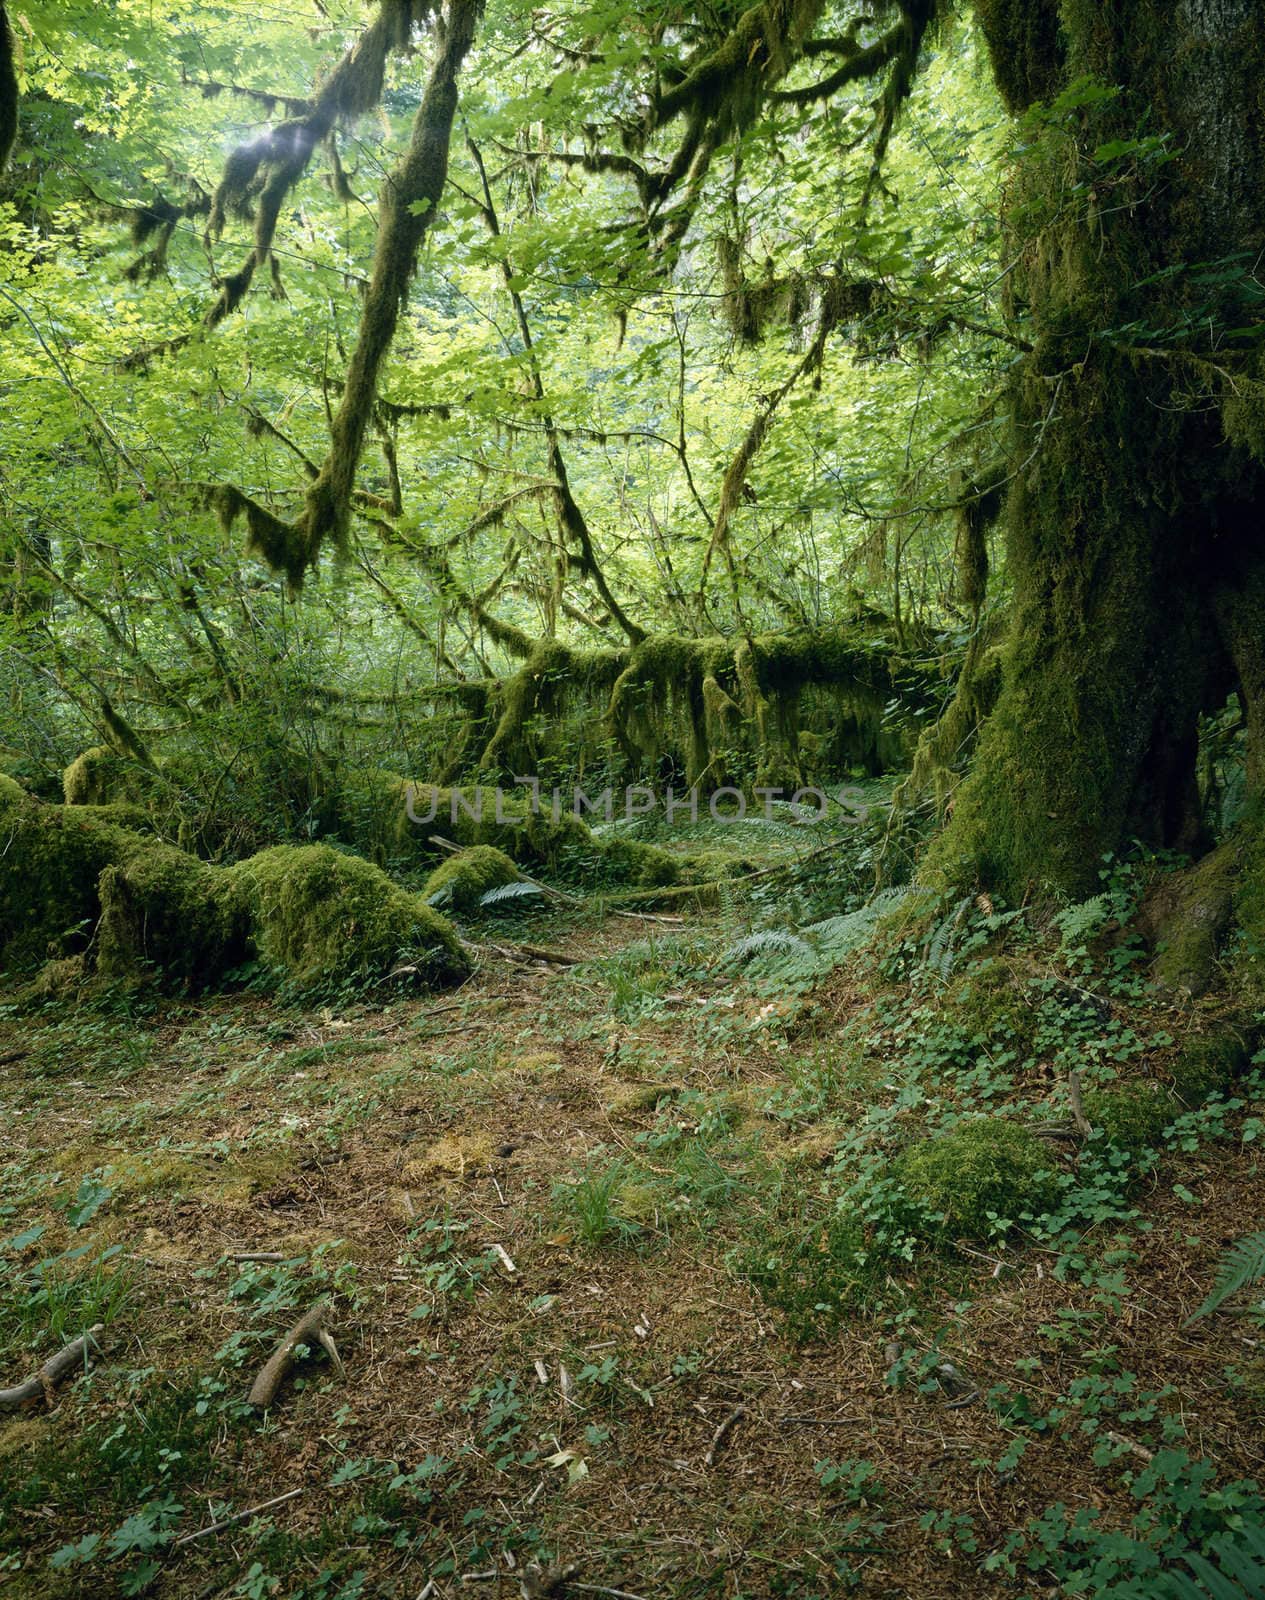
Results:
<point x="1188" y="916"/>
<point x="1023" y="41"/>
<point x="51" y="859"/>
<point x="11" y="792"/>
<point x="99" y="777"/>
<point x="642" y="866"/>
<point x="987" y="999"/>
<point x="323" y="917"/>
<point x="1207" y="1063"/>
<point x="162" y="909"/>
<point x="464" y="879"/>
<point x="979" y="1177"/>
<point x="1131" y="1116"/>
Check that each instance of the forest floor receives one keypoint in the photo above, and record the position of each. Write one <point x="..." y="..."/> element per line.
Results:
<point x="534" y="1204"/>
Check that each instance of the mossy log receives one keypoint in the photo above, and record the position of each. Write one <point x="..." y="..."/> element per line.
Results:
<point x="127" y="905"/>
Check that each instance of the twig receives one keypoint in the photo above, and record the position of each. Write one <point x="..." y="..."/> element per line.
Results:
<point x="309" y="1330"/>
<point x="57" y="1367"/>
<point x="597" y="1588"/>
<point x="1131" y="1445"/>
<point x="238" y="1516"/>
<point x="722" y="1433"/>
<point x="254" y="1255"/>
<point x="1083" y="1125"/>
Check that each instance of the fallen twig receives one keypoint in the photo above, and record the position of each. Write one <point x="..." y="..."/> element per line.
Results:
<point x="309" y="1330"/>
<point x="238" y="1516"/>
<point x="255" y="1255"/>
<point x="57" y="1367"/>
<point x="722" y="1433"/>
<point x="1083" y="1125"/>
<point x="597" y="1588"/>
<point x="1131" y="1445"/>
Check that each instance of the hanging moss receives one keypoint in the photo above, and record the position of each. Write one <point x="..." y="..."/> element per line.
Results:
<point x="325" y="918"/>
<point x="984" y="1173"/>
<point x="1024" y="43"/>
<point x="462" y="880"/>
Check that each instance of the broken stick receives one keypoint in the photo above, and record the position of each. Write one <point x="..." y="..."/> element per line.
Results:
<point x="1082" y="1123"/>
<point x="722" y="1433"/>
<point x="309" y="1330"/>
<point x="57" y="1367"/>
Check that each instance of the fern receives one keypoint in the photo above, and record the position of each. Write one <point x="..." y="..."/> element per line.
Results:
<point x="941" y="954"/>
<point x="1243" y="1263"/>
<point x="1233" y="1569"/>
<point x="761" y="944"/>
<point x="509" y="891"/>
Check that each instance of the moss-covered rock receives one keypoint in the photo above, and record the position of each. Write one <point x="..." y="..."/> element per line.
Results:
<point x="1187" y="916"/>
<point x="1208" y="1062"/>
<point x="1131" y="1116"/>
<point x="979" y="1177"/>
<point x="323" y="917"/>
<point x="463" y="880"/>
<point x="163" y="909"/>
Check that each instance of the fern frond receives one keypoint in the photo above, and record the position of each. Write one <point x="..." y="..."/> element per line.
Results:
<point x="1243" y="1263"/>
<point x="759" y="944"/>
<point x="940" y="952"/>
<point x="509" y="891"/>
<point x="1232" y="1569"/>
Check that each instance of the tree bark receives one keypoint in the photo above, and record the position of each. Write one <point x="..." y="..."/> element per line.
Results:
<point x="8" y="90"/>
<point x="1133" y="519"/>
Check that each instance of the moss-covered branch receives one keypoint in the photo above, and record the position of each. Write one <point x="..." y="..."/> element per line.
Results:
<point x="262" y="173"/>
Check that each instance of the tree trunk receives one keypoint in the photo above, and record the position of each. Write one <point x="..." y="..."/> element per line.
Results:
<point x="1134" y="512"/>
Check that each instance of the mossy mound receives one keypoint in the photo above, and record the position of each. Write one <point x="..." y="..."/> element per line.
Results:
<point x="979" y="1178"/>
<point x="165" y="910"/>
<point x="463" y="880"/>
<point x="327" y="918"/>
<point x="1131" y="1116"/>
<point x="120" y="904"/>
<point x="1209" y="1062"/>
<point x="397" y="820"/>
<point x="49" y="866"/>
<point x="987" y="1000"/>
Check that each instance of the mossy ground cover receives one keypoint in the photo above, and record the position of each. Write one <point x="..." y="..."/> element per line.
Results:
<point x="673" y="1187"/>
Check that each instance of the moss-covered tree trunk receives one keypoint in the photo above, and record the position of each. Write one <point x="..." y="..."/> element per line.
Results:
<point x="1133" y="516"/>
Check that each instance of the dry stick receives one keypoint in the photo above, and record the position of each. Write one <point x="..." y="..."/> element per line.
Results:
<point x="1083" y="1125"/>
<point x="255" y="1255"/>
<point x="309" y="1330"/>
<point x="56" y="1368"/>
<point x="1132" y="1445"/>
<point x="722" y="1433"/>
<point x="238" y="1516"/>
<point x="597" y="1588"/>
